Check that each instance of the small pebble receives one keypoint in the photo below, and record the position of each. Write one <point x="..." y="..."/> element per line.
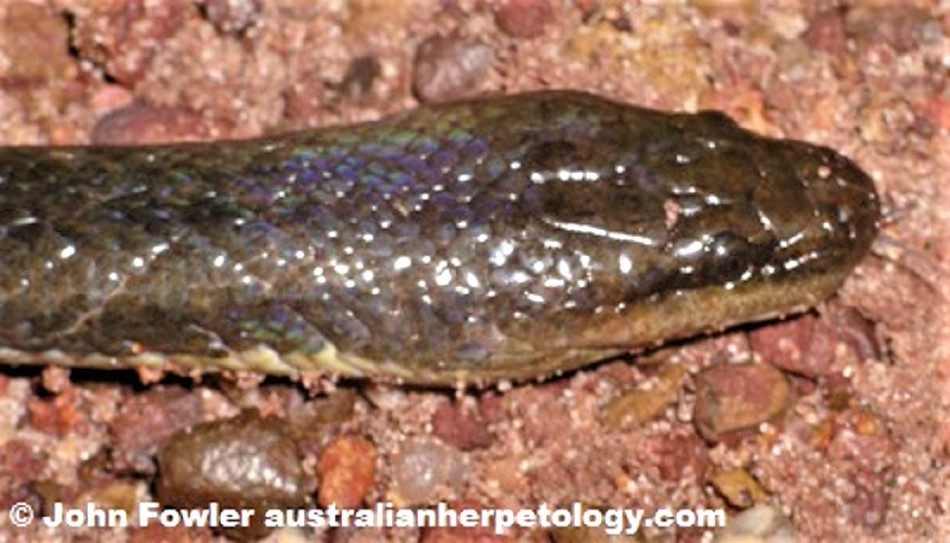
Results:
<point x="523" y="19"/>
<point x="805" y="346"/>
<point x="347" y="471"/>
<point x="637" y="406"/>
<point x="461" y="425"/>
<point x="449" y="68"/>
<point x="425" y="471"/>
<point x="739" y="488"/>
<point x="141" y="124"/>
<point x="736" y="397"/>
<point x="244" y="462"/>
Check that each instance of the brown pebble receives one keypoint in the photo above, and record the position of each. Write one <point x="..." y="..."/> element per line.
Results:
<point x="244" y="462"/>
<point x="523" y="19"/>
<point x="347" y="471"/>
<point x="637" y="406"/>
<point x="739" y="488"/>
<point x="736" y="397"/>
<point x="233" y="16"/>
<point x="449" y="68"/>
<point x="461" y="426"/>
<point x="140" y="124"/>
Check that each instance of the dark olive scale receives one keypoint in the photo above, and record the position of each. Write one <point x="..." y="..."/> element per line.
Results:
<point x="506" y="238"/>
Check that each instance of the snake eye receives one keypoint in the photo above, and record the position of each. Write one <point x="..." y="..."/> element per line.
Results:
<point x="729" y="255"/>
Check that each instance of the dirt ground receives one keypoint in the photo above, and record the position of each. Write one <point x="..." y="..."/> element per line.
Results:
<point x="841" y="430"/>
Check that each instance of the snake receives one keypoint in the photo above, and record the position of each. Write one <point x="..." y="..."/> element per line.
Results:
<point x="495" y="239"/>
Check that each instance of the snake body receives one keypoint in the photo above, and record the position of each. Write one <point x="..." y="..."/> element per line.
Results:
<point x="504" y="238"/>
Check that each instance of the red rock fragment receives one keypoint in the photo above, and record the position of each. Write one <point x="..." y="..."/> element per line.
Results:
<point x="57" y="416"/>
<point x="464" y="428"/>
<point x="734" y="397"/>
<point x="347" y="470"/>
<point x="805" y="345"/>
<point x="523" y="18"/>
